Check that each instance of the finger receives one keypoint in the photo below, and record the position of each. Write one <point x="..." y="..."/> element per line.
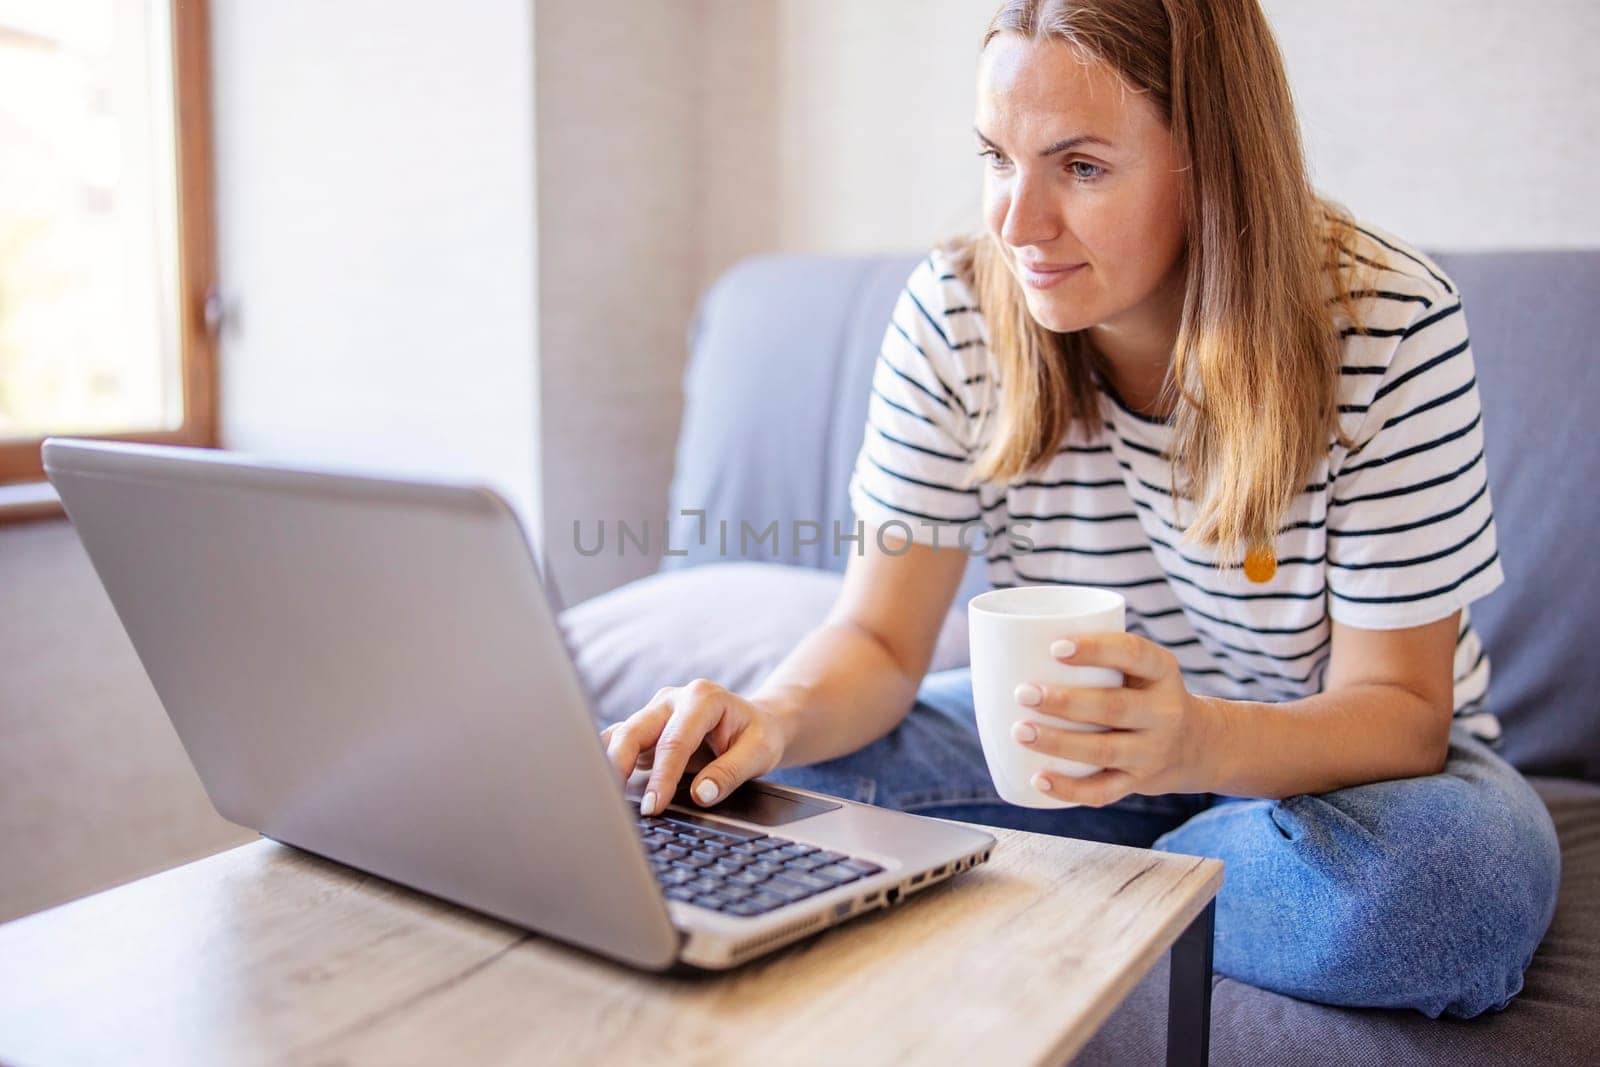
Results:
<point x="1098" y="748"/>
<point x="1134" y="656"/>
<point x="702" y="756"/>
<point x="697" y="711"/>
<point x="1096" y="790"/>
<point x="750" y="756"/>
<point x="635" y="734"/>
<point x="1117" y="707"/>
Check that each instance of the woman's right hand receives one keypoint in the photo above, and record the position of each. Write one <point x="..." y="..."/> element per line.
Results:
<point x="747" y="737"/>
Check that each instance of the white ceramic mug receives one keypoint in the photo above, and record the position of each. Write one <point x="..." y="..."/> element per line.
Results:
<point x="1011" y="631"/>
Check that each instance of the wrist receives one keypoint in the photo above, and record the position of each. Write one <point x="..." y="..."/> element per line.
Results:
<point x="786" y="704"/>
<point x="1217" y="746"/>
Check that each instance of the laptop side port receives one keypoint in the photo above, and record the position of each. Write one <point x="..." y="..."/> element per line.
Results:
<point x="917" y="879"/>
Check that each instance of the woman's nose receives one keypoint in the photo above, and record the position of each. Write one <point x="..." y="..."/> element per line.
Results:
<point x="1030" y="217"/>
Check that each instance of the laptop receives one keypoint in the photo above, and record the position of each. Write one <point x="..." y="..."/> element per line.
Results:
<point x="370" y="669"/>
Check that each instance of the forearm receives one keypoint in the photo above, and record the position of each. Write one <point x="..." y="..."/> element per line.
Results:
<point x="838" y="691"/>
<point x="1342" y="737"/>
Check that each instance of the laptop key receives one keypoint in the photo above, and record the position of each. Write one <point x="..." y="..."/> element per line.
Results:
<point x="690" y="828"/>
<point x="724" y="869"/>
<point x="678" y="892"/>
<point x="828" y="857"/>
<point x="766" y="866"/>
<point x="790" y="853"/>
<point x="803" y="879"/>
<point x="736" y="892"/>
<point x="685" y="821"/>
<point x="836" y="873"/>
<point x="695" y="859"/>
<point x="714" y="901"/>
<point x="744" y="908"/>
<point x="805" y="863"/>
<point x="765" y="901"/>
<point x="673" y="852"/>
<point x="786" y="889"/>
<point x="747" y="877"/>
<point x="863" y="866"/>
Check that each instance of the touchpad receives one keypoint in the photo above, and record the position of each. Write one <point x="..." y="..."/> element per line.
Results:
<point x="756" y="802"/>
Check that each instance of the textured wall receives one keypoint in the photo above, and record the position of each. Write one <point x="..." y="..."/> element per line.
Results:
<point x="617" y="90"/>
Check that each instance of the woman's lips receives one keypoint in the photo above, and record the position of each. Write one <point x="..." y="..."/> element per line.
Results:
<point x="1044" y="279"/>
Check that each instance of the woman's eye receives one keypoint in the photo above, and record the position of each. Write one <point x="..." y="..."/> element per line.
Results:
<point x="1085" y="171"/>
<point x="994" y="158"/>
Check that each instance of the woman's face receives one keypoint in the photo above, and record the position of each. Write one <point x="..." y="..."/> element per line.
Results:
<point x="1079" y="174"/>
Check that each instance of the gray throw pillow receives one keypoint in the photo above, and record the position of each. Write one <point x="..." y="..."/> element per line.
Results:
<point x="729" y="622"/>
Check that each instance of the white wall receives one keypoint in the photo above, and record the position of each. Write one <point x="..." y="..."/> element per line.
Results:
<point x="836" y="126"/>
<point x="376" y="230"/>
<point x="1454" y="123"/>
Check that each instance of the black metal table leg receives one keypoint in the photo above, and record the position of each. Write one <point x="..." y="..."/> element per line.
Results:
<point x="1189" y="992"/>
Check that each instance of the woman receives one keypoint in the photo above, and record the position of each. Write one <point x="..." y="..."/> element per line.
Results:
<point x="1166" y="367"/>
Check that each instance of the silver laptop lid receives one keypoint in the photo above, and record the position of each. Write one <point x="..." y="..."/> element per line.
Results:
<point x="369" y="669"/>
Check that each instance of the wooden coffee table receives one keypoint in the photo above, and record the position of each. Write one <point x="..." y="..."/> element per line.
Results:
<point x="264" y="954"/>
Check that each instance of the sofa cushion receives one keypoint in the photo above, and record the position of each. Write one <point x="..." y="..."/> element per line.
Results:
<point x="1553" y="1020"/>
<point x="729" y="622"/>
<point x="1535" y="329"/>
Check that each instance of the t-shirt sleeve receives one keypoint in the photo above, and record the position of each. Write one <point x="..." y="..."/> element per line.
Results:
<point x="916" y="446"/>
<point x="1411" y="534"/>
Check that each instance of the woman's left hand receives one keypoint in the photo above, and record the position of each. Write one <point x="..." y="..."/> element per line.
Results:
<point x="1162" y="738"/>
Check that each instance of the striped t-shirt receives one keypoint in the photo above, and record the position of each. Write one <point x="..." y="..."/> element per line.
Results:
<point x="1395" y="532"/>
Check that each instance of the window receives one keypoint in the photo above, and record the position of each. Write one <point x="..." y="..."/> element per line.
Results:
<point x="107" y="252"/>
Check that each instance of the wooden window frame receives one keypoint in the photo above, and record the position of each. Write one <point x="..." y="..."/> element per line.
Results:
<point x="20" y="460"/>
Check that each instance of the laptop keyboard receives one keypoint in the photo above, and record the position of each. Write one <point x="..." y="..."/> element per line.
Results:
<point x="739" y="871"/>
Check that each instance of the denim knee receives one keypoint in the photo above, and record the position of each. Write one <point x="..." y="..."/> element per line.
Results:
<point x="1425" y="893"/>
<point x="1445" y="921"/>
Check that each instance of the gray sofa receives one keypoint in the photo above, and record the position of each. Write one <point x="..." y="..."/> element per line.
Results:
<point x="776" y="390"/>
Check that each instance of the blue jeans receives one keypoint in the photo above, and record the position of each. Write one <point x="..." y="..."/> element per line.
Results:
<point x="1425" y="893"/>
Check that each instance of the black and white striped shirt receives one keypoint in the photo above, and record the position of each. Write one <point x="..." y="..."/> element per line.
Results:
<point x="1394" y="532"/>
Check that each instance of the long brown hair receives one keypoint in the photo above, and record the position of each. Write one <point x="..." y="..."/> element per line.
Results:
<point x="1255" y="371"/>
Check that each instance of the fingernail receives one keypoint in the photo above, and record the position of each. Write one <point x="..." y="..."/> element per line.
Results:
<point x="648" y="804"/>
<point x="1041" y="783"/>
<point x="1063" y="648"/>
<point x="1028" y="693"/>
<point x="1024" y="731"/>
<point x="706" y="791"/>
